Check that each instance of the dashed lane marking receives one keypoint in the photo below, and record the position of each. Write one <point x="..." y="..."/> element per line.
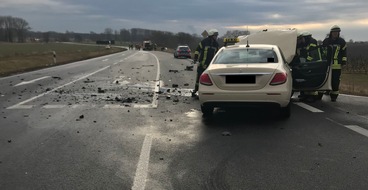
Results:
<point x="358" y="129"/>
<point x="355" y="128"/>
<point x="53" y="106"/>
<point x="308" y="107"/>
<point x="32" y="81"/>
<point x="143" y="162"/>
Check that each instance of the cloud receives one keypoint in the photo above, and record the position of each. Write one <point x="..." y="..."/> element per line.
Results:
<point x="191" y="16"/>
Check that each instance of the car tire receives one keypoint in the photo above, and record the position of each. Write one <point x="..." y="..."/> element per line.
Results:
<point x="285" y="112"/>
<point x="207" y="110"/>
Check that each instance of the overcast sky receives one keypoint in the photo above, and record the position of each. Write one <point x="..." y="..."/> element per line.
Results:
<point x="193" y="16"/>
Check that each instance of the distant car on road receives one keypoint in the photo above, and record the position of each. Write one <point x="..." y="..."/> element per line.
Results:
<point x="182" y="51"/>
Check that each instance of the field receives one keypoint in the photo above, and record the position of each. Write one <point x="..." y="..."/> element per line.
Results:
<point x="20" y="57"/>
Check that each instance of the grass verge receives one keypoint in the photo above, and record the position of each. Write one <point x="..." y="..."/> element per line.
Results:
<point x="18" y="58"/>
<point x="354" y="84"/>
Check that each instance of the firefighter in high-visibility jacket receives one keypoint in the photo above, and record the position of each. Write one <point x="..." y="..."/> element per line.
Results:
<point x="336" y="55"/>
<point x="204" y="53"/>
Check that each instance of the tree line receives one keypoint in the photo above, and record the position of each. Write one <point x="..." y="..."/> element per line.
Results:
<point x="14" y="29"/>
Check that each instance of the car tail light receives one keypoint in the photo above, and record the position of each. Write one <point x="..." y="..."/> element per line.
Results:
<point x="205" y="79"/>
<point x="279" y="78"/>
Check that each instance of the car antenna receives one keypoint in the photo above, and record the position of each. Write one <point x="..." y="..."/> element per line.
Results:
<point x="247" y="38"/>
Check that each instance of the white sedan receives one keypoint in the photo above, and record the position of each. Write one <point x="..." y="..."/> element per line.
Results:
<point x="242" y="75"/>
<point x="260" y="70"/>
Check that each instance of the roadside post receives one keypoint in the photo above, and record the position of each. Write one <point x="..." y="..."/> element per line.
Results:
<point x="54" y="56"/>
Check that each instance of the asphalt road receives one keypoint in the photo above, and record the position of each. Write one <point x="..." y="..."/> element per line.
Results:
<point x="127" y="121"/>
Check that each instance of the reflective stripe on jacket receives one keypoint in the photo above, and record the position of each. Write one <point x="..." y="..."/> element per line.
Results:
<point x="205" y="51"/>
<point x="336" y="52"/>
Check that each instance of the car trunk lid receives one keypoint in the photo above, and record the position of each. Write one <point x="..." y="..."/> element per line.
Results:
<point x="242" y="77"/>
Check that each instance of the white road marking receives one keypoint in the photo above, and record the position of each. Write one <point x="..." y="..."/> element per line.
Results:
<point x="308" y="107"/>
<point x="358" y="129"/>
<point x="105" y="60"/>
<point x="142" y="166"/>
<point x="53" y="90"/>
<point x="22" y="107"/>
<point x="355" y="128"/>
<point x="348" y="95"/>
<point x="31" y="81"/>
<point x="143" y="106"/>
<point x="53" y="106"/>
<point x="111" y="106"/>
<point x="157" y="84"/>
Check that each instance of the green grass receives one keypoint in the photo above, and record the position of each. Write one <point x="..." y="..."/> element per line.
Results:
<point x="21" y="57"/>
<point x="19" y="49"/>
<point x="355" y="84"/>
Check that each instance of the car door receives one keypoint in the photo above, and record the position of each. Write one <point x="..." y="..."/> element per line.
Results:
<point x="311" y="75"/>
<point x="315" y="75"/>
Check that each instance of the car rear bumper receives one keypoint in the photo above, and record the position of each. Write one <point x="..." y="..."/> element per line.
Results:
<point x="188" y="56"/>
<point x="240" y="99"/>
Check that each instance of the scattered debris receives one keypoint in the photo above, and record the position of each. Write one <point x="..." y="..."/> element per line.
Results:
<point x="100" y="90"/>
<point x="174" y="71"/>
<point x="226" y="133"/>
<point x="88" y="81"/>
<point x="189" y="68"/>
<point x="175" y="85"/>
<point x="59" y="78"/>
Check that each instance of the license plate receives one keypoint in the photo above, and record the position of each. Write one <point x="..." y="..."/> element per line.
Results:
<point x="240" y="79"/>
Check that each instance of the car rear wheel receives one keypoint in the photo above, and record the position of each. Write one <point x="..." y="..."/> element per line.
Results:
<point x="285" y="112"/>
<point x="207" y="110"/>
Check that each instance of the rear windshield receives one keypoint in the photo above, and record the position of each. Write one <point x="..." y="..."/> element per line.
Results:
<point x="183" y="48"/>
<point x="231" y="56"/>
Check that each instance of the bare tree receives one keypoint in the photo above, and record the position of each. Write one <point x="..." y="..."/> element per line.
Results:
<point x="125" y="35"/>
<point x="9" y="28"/>
<point x="21" y="28"/>
<point x="13" y="29"/>
<point x="108" y="33"/>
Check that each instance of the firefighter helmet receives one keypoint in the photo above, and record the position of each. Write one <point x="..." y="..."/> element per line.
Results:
<point x="306" y="33"/>
<point x="299" y="34"/>
<point x="335" y="28"/>
<point x="212" y="32"/>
